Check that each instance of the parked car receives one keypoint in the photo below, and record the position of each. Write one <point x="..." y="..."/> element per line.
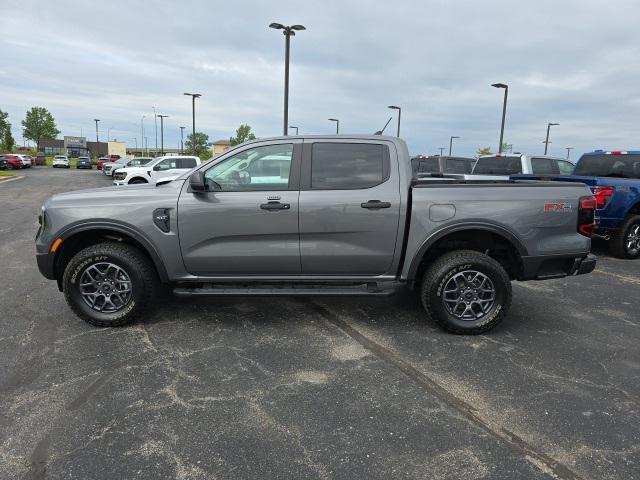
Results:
<point x="61" y="161"/>
<point x="4" y="165"/>
<point x="32" y="161"/>
<point x="26" y="160"/>
<point x="614" y="179"/>
<point x="109" y="168"/>
<point x="101" y="161"/>
<point x="83" y="162"/>
<point x="160" y="168"/>
<point x="441" y="164"/>
<point x="14" y="161"/>
<point x="503" y="164"/>
<point x="325" y="215"/>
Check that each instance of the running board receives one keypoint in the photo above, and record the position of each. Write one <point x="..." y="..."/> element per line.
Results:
<point x="287" y="289"/>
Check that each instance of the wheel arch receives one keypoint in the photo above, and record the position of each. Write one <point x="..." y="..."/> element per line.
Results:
<point x="80" y="236"/>
<point x="478" y="236"/>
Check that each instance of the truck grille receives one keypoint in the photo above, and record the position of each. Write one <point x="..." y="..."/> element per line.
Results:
<point x="119" y="175"/>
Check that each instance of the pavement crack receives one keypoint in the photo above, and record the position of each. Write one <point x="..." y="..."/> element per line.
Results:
<point x="544" y="462"/>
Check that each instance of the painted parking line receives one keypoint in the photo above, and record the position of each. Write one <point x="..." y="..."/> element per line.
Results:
<point x="624" y="278"/>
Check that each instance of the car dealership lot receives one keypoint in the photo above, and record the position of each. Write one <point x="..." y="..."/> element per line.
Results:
<point x="312" y="388"/>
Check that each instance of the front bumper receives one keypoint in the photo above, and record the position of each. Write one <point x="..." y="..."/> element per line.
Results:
<point x="119" y="182"/>
<point x="555" y="266"/>
<point x="46" y="265"/>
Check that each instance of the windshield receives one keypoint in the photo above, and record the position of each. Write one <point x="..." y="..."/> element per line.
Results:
<point x="621" y="166"/>
<point x="495" y="165"/>
<point x="60" y="157"/>
<point x="425" y="165"/>
<point x="458" y="165"/>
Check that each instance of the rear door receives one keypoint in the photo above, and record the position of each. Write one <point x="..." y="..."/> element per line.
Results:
<point x="544" y="166"/>
<point x="349" y="207"/>
<point x="246" y="223"/>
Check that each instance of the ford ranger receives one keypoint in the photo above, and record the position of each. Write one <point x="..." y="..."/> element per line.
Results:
<point x="314" y="215"/>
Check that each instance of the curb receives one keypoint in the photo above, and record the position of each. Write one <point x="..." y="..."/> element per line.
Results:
<point x="10" y="179"/>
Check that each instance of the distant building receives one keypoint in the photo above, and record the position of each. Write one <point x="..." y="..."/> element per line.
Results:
<point x="78" y="146"/>
<point x="220" y="146"/>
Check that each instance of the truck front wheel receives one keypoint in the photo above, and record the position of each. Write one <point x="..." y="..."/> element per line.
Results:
<point x="626" y="241"/>
<point x="109" y="284"/>
<point x="466" y="292"/>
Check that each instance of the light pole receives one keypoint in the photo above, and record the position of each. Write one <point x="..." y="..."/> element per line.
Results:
<point x="155" y="121"/>
<point x="451" y="143"/>
<point x="568" y="151"/>
<point x="504" y="110"/>
<point x="291" y="126"/>
<point x="546" y="141"/>
<point x="193" y="114"/>
<point x="142" y="131"/>
<point x="162" y="117"/>
<point x="288" y="32"/>
<point x="395" y="107"/>
<point x="97" y="141"/>
<point x="337" y="124"/>
<point x="441" y="150"/>
<point x="181" y="140"/>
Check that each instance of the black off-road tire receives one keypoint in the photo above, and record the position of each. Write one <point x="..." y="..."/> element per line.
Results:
<point x="618" y="242"/>
<point x="142" y="274"/>
<point x="438" y="276"/>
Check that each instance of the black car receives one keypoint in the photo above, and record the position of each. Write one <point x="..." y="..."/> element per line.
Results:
<point x="84" y="162"/>
<point x="4" y="165"/>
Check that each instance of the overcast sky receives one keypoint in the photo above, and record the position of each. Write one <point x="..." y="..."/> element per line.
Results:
<point x="574" y="62"/>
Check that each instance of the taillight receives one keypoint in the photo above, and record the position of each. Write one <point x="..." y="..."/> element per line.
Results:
<point x="587" y="216"/>
<point x="602" y="195"/>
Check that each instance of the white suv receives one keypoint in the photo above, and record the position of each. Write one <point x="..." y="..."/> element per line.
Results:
<point x="505" y="164"/>
<point x="61" y="161"/>
<point x="161" y="168"/>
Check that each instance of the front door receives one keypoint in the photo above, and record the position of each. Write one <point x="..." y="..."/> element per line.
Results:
<point x="246" y="222"/>
<point x="349" y="208"/>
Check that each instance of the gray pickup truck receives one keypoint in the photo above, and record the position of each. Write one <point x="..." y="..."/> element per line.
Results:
<point x="316" y="215"/>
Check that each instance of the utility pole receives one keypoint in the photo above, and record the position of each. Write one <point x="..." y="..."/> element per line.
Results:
<point x="162" y="117"/>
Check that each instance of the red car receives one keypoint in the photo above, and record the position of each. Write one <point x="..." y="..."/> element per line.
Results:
<point x="14" y="162"/>
<point x="106" y="159"/>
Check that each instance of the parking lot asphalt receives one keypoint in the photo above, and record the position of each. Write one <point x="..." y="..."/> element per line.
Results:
<point x="313" y="388"/>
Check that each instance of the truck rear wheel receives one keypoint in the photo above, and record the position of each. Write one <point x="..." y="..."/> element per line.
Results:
<point x="626" y="241"/>
<point x="466" y="292"/>
<point x="109" y="284"/>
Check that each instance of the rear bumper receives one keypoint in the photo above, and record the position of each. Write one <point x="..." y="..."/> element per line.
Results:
<point x="554" y="266"/>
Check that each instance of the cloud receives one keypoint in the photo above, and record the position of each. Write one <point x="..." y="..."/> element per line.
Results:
<point x="572" y="62"/>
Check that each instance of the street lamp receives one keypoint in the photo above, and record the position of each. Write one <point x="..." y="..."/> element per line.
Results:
<point x="162" y="117"/>
<point x="193" y="114"/>
<point x="337" y="124"/>
<point x="181" y="141"/>
<point x="291" y="126"/>
<point x="394" y="107"/>
<point x="504" y="110"/>
<point x="451" y="143"/>
<point x="568" y="151"/>
<point x="546" y="142"/>
<point x="142" y="131"/>
<point x="155" y="121"/>
<point x="288" y="32"/>
<point x="441" y="150"/>
<point x="97" y="141"/>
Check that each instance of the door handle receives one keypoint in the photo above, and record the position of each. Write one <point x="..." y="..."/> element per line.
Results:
<point x="275" y="206"/>
<point x="375" y="204"/>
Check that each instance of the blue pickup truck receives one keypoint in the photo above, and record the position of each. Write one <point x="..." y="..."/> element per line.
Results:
<point x="614" y="179"/>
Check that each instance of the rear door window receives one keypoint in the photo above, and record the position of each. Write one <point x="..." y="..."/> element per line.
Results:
<point x="347" y="166"/>
<point x="566" y="168"/>
<point x="620" y="166"/>
<point x="544" y="166"/>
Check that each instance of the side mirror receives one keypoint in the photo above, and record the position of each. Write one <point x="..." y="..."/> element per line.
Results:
<point x="196" y="181"/>
<point x="156" y="168"/>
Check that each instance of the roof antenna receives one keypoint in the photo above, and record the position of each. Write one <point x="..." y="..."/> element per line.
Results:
<point x="380" y="132"/>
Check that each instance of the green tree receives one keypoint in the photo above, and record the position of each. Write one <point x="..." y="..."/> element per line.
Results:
<point x="483" y="151"/>
<point x="243" y="134"/>
<point x="8" y="143"/>
<point x="39" y="124"/>
<point x="201" y="143"/>
<point x="6" y="139"/>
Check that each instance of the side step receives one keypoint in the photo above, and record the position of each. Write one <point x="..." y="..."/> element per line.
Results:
<point x="287" y="289"/>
